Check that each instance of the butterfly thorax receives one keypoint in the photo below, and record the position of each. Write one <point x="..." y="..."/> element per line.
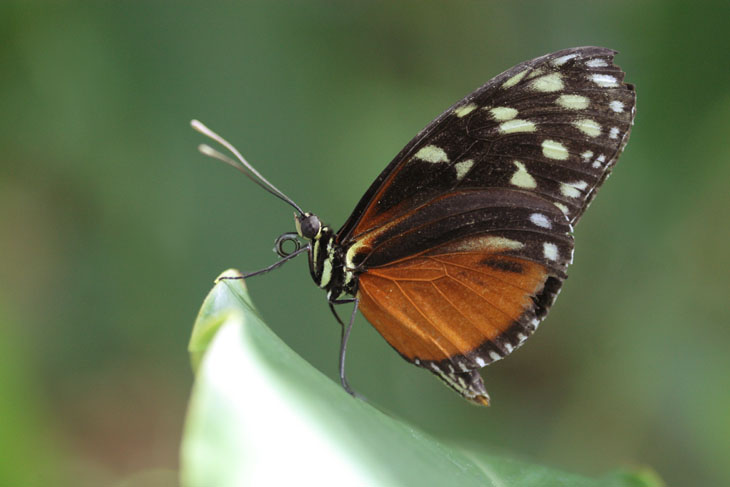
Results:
<point x="326" y="258"/>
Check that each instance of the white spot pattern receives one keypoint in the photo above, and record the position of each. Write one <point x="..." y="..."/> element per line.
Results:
<point x="596" y="63"/>
<point x="573" y="102"/>
<point x="502" y="113"/>
<point x="554" y="150"/>
<point x="586" y="156"/>
<point x="573" y="190"/>
<point x="431" y="153"/>
<point x="541" y="220"/>
<point x="521" y="178"/>
<point x="563" y="59"/>
<point x="465" y="110"/>
<point x="604" y="80"/>
<point x="589" y="127"/>
<point x="616" y="106"/>
<point x="562" y="208"/>
<point x="484" y="242"/>
<point x="550" y="251"/>
<point x="514" y="79"/>
<point x="548" y="83"/>
<point x="613" y="133"/>
<point x="462" y="167"/>
<point x="516" y="125"/>
<point x="569" y="191"/>
<point x="599" y="161"/>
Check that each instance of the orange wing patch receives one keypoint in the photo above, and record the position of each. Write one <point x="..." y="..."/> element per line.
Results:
<point x="438" y="306"/>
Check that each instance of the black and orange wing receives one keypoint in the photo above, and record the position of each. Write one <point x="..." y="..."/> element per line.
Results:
<point x="463" y="281"/>
<point x="461" y="244"/>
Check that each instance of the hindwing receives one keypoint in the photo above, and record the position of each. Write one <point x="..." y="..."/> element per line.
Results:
<point x="463" y="281"/>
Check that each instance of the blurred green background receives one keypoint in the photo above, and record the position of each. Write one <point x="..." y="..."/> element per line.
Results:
<point x="114" y="227"/>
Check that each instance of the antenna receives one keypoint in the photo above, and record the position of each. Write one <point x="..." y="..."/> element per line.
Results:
<point x="242" y="165"/>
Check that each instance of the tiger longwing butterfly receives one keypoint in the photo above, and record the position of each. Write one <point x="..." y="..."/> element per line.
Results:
<point x="460" y="246"/>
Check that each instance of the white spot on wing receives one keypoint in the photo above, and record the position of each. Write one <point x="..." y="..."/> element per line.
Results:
<point x="616" y="106"/>
<point x="613" y="133"/>
<point x="516" y="125"/>
<point x="541" y="220"/>
<point x="569" y="190"/>
<point x="521" y="178"/>
<point x="494" y="355"/>
<point x="550" y="251"/>
<point x="480" y="362"/>
<point x="586" y="156"/>
<point x="563" y="59"/>
<point x="596" y="63"/>
<point x="604" y="80"/>
<point x="599" y="161"/>
<point x="589" y="127"/>
<point x="431" y="153"/>
<point x="514" y="79"/>
<point x="573" y="190"/>
<point x="536" y="72"/>
<point x="548" y="83"/>
<point x="501" y="243"/>
<point x="573" y="102"/>
<point x="465" y="110"/>
<point x="554" y="150"/>
<point x="562" y="208"/>
<point x="462" y="168"/>
<point x="482" y="242"/>
<point x="503" y="113"/>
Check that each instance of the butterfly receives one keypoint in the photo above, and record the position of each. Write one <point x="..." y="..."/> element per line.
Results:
<point x="458" y="249"/>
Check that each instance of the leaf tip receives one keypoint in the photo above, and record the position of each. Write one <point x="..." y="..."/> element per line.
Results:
<point x="229" y="274"/>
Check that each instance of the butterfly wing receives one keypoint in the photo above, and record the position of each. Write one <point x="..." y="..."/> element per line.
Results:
<point x="462" y="243"/>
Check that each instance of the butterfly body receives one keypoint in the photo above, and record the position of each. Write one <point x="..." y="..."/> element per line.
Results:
<point x="460" y="246"/>
<point x="327" y="259"/>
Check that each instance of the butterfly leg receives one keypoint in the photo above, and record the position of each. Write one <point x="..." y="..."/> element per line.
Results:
<point x="269" y="268"/>
<point x="346" y="329"/>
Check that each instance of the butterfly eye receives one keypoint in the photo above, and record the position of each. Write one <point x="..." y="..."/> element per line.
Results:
<point x="309" y="226"/>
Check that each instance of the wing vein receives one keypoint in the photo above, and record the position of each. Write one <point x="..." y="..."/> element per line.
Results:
<point x="486" y="274"/>
<point x="428" y="320"/>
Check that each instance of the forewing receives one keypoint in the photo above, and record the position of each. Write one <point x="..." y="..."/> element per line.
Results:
<point x="553" y="126"/>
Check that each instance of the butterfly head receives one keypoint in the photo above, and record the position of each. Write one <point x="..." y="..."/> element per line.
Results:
<point x="308" y="226"/>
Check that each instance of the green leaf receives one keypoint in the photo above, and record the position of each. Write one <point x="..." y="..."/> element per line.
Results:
<point x="261" y="415"/>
